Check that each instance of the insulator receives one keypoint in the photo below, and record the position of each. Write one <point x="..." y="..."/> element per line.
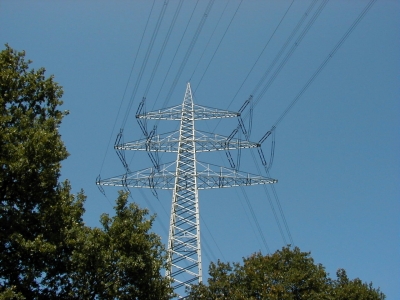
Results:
<point x="262" y="157"/>
<point x="229" y="156"/>
<point x="98" y="179"/>
<point x="245" y="104"/>
<point x="266" y="135"/>
<point x="119" y="136"/>
<point x="241" y="124"/>
<point x="140" y="107"/>
<point x="230" y="137"/>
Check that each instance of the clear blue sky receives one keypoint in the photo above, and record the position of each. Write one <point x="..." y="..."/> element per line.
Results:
<point x="337" y="151"/>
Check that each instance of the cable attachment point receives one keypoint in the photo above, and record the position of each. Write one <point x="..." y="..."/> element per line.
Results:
<point x="266" y="165"/>
<point x="98" y="179"/>
<point x="125" y="183"/>
<point x="245" y="104"/>
<point x="121" y="154"/>
<point x="226" y="146"/>
<point x="152" y="149"/>
<point x="239" y="152"/>
<point x="241" y="123"/>
<point x="140" y="112"/>
<point x="243" y="128"/>
<point x="151" y="183"/>
<point x="266" y="135"/>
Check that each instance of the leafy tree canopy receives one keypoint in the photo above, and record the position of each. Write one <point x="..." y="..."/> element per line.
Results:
<point x="287" y="274"/>
<point x="46" y="251"/>
<point x="122" y="260"/>
<point x="38" y="215"/>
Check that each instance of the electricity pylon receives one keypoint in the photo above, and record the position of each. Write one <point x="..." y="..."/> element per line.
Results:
<point x="185" y="177"/>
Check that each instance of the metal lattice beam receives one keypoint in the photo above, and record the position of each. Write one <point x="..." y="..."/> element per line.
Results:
<point x="208" y="177"/>
<point x="205" y="142"/>
<point x="198" y="112"/>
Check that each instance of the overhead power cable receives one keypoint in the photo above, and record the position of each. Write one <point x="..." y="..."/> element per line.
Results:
<point x="248" y="219"/>
<point x="287" y="42"/>
<point x="308" y="83"/>
<point x="160" y="54"/>
<point x="282" y="214"/>
<point x="145" y="60"/>
<point x="272" y="207"/>
<point x="288" y="54"/>
<point x="219" y="44"/>
<point x="189" y="51"/>
<point x="296" y="43"/>
<point x="169" y="68"/>
<point x="262" y="51"/>
<point x="276" y="59"/>
<point x="255" y="219"/>
<point x="258" y="58"/>
<point x="212" y="237"/>
<point x="326" y="60"/>
<point x="176" y="51"/>
<point x="209" y="40"/>
<point x="126" y="86"/>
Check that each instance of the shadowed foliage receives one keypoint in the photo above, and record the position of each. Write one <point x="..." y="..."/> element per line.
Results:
<point x="286" y="274"/>
<point x="46" y="251"/>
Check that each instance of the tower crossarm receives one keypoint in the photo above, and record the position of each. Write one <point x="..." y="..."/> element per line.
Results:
<point x="199" y="113"/>
<point x="205" y="142"/>
<point x="208" y="177"/>
<point x="212" y="177"/>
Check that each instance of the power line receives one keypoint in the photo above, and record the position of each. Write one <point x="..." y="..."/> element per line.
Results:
<point x="325" y="61"/>
<point x="308" y="83"/>
<point x="284" y="46"/>
<point x="272" y="206"/>
<point x="262" y="51"/>
<point x="209" y="40"/>
<point x="212" y="237"/>
<point x="176" y="51"/>
<point x="258" y="58"/>
<point x="219" y="44"/>
<point x="145" y="60"/>
<point x="255" y="219"/>
<point x="126" y="86"/>
<point x="189" y="51"/>
<point x="282" y="215"/>
<point x="171" y="26"/>
<point x="297" y="42"/>
<point x="248" y="218"/>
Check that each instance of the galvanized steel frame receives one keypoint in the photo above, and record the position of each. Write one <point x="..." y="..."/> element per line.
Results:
<point x="185" y="177"/>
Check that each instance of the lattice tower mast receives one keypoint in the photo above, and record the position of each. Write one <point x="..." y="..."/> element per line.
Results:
<point x="185" y="177"/>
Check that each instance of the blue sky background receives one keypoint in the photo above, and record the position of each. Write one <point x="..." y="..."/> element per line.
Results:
<point x="337" y="151"/>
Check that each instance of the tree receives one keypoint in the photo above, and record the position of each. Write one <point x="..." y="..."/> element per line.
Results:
<point x="122" y="260"/>
<point x="346" y="289"/>
<point x="286" y="274"/>
<point x="46" y="251"/>
<point x="38" y="215"/>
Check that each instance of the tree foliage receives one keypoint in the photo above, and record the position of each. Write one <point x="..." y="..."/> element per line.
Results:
<point x="38" y="215"/>
<point x="287" y="274"/>
<point x="122" y="260"/>
<point x="46" y="251"/>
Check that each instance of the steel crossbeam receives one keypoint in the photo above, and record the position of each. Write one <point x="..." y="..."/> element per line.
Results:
<point x="197" y="112"/>
<point x="208" y="177"/>
<point x="205" y="141"/>
<point x="185" y="177"/>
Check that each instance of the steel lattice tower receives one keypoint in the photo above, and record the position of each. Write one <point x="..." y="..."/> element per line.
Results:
<point x="184" y="249"/>
<point x="185" y="177"/>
